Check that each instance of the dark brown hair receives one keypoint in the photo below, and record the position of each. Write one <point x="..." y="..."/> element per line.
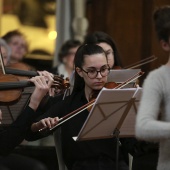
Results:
<point x="161" y="18"/>
<point x="8" y="36"/>
<point x="100" y="37"/>
<point x="66" y="47"/>
<point x="82" y="52"/>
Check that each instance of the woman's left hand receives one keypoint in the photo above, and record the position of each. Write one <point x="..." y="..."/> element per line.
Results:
<point x="45" y="73"/>
<point x="43" y="84"/>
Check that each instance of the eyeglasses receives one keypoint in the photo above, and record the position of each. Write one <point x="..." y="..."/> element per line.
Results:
<point x="92" y="72"/>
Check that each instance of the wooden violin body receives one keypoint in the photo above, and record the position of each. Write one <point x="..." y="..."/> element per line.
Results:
<point x="8" y="94"/>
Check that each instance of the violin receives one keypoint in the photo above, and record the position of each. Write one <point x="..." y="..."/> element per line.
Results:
<point x="11" y="87"/>
<point x="60" y="83"/>
<point x="91" y="103"/>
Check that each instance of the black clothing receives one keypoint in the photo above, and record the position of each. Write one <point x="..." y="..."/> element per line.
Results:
<point x="147" y="161"/>
<point x="13" y="135"/>
<point x="145" y="154"/>
<point x="101" y="163"/>
<point x="75" y="152"/>
<point x="20" y="162"/>
<point x="2" y="167"/>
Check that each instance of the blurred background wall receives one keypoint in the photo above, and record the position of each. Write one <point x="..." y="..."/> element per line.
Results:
<point x="129" y="22"/>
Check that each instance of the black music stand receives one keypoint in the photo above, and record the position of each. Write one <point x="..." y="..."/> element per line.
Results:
<point x="112" y="115"/>
<point x="10" y="111"/>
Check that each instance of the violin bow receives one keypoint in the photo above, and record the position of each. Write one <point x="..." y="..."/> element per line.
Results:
<point x="141" y="62"/>
<point x="89" y="104"/>
<point x="2" y="62"/>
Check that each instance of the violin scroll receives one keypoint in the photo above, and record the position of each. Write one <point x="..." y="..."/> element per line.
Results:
<point x="61" y="83"/>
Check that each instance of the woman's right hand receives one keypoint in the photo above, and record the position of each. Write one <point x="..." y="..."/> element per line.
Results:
<point x="44" y="124"/>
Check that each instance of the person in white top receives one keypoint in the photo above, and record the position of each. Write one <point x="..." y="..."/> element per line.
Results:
<point x="153" y="118"/>
<point x="66" y="58"/>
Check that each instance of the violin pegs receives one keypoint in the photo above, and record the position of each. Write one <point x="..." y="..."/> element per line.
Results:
<point x="62" y="75"/>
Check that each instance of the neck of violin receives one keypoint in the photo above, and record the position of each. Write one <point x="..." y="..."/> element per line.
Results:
<point x="21" y="72"/>
<point x="15" y="85"/>
<point x="93" y="95"/>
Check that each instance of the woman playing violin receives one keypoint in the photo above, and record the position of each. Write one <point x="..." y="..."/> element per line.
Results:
<point x="91" y="70"/>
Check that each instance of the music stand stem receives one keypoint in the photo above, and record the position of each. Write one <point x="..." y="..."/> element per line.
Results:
<point x="116" y="134"/>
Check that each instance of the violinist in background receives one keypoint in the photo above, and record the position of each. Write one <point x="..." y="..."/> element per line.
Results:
<point x="66" y="58"/>
<point x="107" y="43"/>
<point x="91" y="70"/>
<point x="153" y="118"/>
<point x="12" y="136"/>
<point x="19" y="48"/>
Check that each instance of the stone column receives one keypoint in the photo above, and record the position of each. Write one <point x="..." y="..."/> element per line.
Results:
<point x="79" y="22"/>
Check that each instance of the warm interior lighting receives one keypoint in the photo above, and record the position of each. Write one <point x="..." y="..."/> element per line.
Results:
<point x="52" y="35"/>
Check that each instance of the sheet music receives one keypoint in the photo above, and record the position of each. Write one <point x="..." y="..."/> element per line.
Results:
<point x="120" y="76"/>
<point x="107" y="111"/>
